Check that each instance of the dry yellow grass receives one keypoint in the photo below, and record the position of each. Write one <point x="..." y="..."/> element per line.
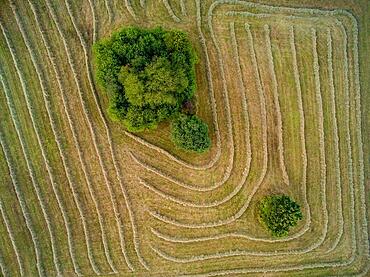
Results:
<point x="280" y="89"/>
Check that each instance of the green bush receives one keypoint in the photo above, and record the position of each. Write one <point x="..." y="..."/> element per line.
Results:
<point x="279" y="213"/>
<point x="191" y="133"/>
<point x="147" y="73"/>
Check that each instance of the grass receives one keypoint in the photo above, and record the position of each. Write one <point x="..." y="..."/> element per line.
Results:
<point x="81" y="196"/>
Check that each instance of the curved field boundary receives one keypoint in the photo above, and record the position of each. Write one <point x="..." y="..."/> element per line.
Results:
<point x="183" y="8"/>
<point x="46" y="95"/>
<point x="20" y="198"/>
<point x="276" y="103"/>
<point x="76" y="143"/>
<point x="170" y="11"/>
<point x="36" y="187"/>
<point x="91" y="128"/>
<point x="336" y="141"/>
<point x="323" y="178"/>
<point x="107" y="131"/>
<point x="354" y="243"/>
<point x="241" y="211"/>
<point x="12" y="239"/>
<point x="130" y="9"/>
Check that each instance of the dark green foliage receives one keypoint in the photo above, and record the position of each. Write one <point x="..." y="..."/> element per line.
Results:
<point x="279" y="213"/>
<point x="148" y="74"/>
<point x="191" y="133"/>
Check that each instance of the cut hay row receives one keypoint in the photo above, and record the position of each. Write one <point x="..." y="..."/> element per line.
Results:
<point x="170" y="11"/>
<point x="142" y="3"/>
<point x="302" y="132"/>
<point x="180" y="183"/>
<point x="88" y="180"/>
<point x="316" y="73"/>
<point x="321" y="265"/>
<point x="276" y="103"/>
<point x="213" y="106"/>
<point x="20" y="197"/>
<point x="92" y="131"/>
<point x="46" y="95"/>
<point x="355" y="32"/>
<point x="241" y="211"/>
<point x="119" y="178"/>
<point x="336" y="141"/>
<point x="3" y="269"/>
<point x="12" y="239"/>
<point x="73" y="129"/>
<point x="35" y="184"/>
<point x="94" y="19"/>
<point x="109" y="10"/>
<point x="130" y="9"/>
<point x="183" y="8"/>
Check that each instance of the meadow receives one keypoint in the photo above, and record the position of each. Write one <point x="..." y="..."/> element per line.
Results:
<point x="281" y="84"/>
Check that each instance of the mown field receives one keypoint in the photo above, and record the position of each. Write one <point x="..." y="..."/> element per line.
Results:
<point x="283" y="88"/>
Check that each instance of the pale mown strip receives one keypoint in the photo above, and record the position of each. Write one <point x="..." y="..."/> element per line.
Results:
<point x="76" y="144"/>
<point x="46" y="96"/>
<point x="12" y="239"/>
<point x="20" y="197"/>
<point x="213" y="105"/>
<point x="183" y="8"/>
<point x="35" y="184"/>
<point x="130" y="9"/>
<point x="126" y="196"/>
<point x="336" y="142"/>
<point x="276" y="103"/>
<point x="170" y="11"/>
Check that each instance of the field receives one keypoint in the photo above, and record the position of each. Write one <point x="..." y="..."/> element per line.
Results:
<point x="284" y="90"/>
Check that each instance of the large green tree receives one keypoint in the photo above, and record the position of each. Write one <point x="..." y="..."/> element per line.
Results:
<point x="148" y="74"/>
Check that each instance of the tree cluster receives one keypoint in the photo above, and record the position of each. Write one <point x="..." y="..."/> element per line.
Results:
<point x="190" y="133"/>
<point x="148" y="74"/>
<point x="279" y="213"/>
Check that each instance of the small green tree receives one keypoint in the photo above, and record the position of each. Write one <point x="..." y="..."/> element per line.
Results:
<point x="191" y="133"/>
<point x="279" y="213"/>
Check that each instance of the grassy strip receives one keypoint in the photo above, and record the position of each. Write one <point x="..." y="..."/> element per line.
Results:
<point x="170" y="11"/>
<point x="12" y="239"/>
<point x="40" y="197"/>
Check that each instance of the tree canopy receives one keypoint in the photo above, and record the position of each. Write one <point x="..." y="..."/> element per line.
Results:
<point x="191" y="133"/>
<point x="279" y="213"/>
<point x="148" y="74"/>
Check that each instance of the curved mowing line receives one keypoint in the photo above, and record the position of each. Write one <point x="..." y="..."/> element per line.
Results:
<point x="317" y="265"/>
<point x="264" y="138"/>
<point x="130" y="9"/>
<point x="109" y="10"/>
<point x="336" y="141"/>
<point x="142" y="3"/>
<point x="55" y="133"/>
<point x="88" y="181"/>
<point x="92" y="8"/>
<point x="3" y="268"/>
<point x="304" y="158"/>
<point x="248" y="147"/>
<point x="115" y="164"/>
<point x="76" y="143"/>
<point x="20" y="198"/>
<point x="36" y="187"/>
<point x="183" y="7"/>
<point x="322" y="162"/>
<point x="182" y="183"/>
<point x="213" y="105"/>
<point x="170" y="11"/>
<point x="277" y="104"/>
<point x="12" y="239"/>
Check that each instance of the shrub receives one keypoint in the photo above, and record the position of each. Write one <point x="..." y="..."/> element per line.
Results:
<point x="279" y="213"/>
<point x="191" y="133"/>
<point x="147" y="73"/>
